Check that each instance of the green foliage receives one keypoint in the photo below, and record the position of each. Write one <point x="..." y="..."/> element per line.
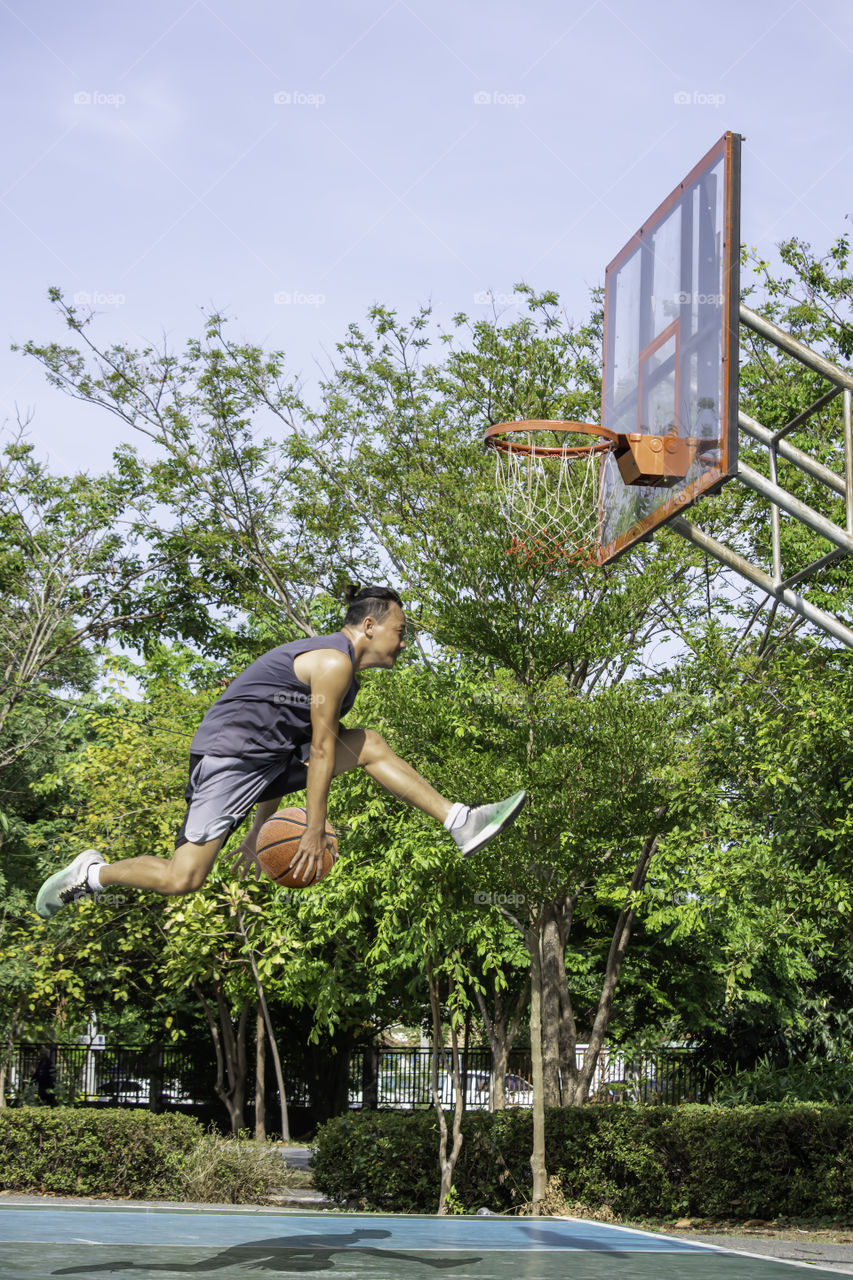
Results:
<point x="521" y="677"/>
<point x="379" y="1161"/>
<point x="117" y="1153"/>
<point x="638" y="1161"/>
<point x="85" y="1152"/>
<point x="820" y="1080"/>
<point x="769" y="896"/>
<point x="71" y="576"/>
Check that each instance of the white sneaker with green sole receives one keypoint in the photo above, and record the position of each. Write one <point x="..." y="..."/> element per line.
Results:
<point x="67" y="885"/>
<point x="487" y="821"/>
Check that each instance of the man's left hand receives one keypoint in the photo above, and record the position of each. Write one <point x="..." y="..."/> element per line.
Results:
<point x="245" y="862"/>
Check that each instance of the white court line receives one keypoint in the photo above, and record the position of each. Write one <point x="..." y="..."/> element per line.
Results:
<point x="702" y="1244"/>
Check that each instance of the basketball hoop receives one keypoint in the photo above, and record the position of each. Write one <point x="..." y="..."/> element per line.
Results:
<point x="547" y="480"/>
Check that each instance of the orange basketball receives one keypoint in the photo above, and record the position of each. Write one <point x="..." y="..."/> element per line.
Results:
<point x="278" y="842"/>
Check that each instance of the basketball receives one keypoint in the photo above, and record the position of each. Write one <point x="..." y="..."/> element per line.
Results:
<point x="278" y="842"/>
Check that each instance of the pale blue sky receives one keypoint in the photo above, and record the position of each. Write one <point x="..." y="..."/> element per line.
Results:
<point x="417" y="151"/>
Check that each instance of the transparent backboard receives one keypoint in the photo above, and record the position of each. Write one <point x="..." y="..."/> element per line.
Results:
<point x="671" y="344"/>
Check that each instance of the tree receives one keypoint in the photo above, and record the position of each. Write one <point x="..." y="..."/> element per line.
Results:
<point x="771" y="891"/>
<point x="71" y="576"/>
<point x="392" y="463"/>
<point x="568" y="669"/>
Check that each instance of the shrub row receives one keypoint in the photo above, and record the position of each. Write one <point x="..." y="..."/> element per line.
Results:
<point x="71" y="1151"/>
<point x="743" y="1162"/>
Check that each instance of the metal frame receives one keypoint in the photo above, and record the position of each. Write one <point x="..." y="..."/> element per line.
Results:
<point x="672" y="331"/>
<point x="775" y="583"/>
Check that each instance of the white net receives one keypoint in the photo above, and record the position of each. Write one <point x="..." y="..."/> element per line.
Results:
<point x="550" y="503"/>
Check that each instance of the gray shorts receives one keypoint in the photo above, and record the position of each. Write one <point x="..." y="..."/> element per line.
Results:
<point x="222" y="790"/>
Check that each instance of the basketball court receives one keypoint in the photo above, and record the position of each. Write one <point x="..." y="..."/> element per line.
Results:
<point x="38" y="1241"/>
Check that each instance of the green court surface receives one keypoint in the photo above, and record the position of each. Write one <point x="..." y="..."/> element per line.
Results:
<point x="39" y="1241"/>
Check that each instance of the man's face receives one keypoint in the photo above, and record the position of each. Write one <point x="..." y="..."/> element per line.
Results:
<point x="388" y="638"/>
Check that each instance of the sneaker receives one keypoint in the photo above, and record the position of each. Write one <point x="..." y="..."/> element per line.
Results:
<point x="67" y="885"/>
<point x="487" y="821"/>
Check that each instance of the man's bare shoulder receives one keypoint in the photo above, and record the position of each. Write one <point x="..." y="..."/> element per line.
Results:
<point x="324" y="665"/>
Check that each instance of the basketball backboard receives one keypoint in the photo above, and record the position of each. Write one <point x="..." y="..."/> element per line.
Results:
<point x="671" y="348"/>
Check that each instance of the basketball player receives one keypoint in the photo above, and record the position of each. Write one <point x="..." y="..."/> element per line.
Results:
<point x="277" y="729"/>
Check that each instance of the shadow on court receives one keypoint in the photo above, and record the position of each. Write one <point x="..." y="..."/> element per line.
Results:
<point x="283" y="1254"/>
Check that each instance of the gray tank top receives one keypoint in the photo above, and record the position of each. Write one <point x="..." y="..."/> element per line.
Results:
<point x="266" y="710"/>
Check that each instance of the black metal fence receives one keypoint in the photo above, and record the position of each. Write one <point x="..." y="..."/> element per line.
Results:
<point x="388" y="1079"/>
<point x="154" y="1076"/>
<point x="401" y="1079"/>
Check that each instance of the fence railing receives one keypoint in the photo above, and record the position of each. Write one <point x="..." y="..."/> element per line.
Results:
<point x="401" y="1079"/>
<point x="391" y="1079"/>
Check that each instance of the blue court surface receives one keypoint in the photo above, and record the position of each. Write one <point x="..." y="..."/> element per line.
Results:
<point x="39" y="1241"/>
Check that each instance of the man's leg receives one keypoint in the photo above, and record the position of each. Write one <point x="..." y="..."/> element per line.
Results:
<point x="220" y="792"/>
<point x="471" y="828"/>
<point x="185" y="871"/>
<point x="366" y="749"/>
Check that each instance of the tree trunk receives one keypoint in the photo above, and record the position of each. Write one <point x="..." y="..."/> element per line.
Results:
<point x="501" y="1033"/>
<point x="7" y="1054"/>
<point x="615" y="960"/>
<point x="155" y="1080"/>
<point x="230" y="1048"/>
<point x="553" y="960"/>
<point x="466" y="1036"/>
<point x="533" y="938"/>
<point x="262" y="1002"/>
<point x="446" y="1157"/>
<point x="370" y="1078"/>
<point x="560" y="1033"/>
<point x="260" y="1077"/>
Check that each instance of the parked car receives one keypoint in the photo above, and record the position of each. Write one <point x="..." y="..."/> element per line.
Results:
<point x="518" y="1091"/>
<point x="123" y="1090"/>
<point x="476" y="1089"/>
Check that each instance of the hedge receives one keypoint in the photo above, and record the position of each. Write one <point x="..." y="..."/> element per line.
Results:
<point x="655" y="1161"/>
<point x="72" y="1151"/>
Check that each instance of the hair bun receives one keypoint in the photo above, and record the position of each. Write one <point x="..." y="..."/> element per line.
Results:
<point x="351" y="590"/>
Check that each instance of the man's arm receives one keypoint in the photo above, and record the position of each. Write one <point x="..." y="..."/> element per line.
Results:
<point x="329" y="677"/>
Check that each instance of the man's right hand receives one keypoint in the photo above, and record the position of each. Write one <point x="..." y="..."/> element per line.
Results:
<point x="310" y="855"/>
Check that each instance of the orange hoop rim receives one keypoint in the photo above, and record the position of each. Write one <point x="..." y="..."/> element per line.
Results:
<point x="492" y="438"/>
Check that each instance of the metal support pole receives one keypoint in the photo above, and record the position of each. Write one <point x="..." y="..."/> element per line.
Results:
<point x="775" y="523"/>
<point x="848" y="457"/>
<point x="816" y="566"/>
<point x="767" y="329"/>
<point x="803" y="417"/>
<point x="763" y="581"/>
<point x="794" y="507"/>
<point x="790" y="451"/>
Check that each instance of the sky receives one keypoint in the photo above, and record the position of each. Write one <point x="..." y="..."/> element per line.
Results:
<point x="293" y="164"/>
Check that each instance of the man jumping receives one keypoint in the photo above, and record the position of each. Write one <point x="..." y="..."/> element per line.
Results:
<point x="276" y="729"/>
